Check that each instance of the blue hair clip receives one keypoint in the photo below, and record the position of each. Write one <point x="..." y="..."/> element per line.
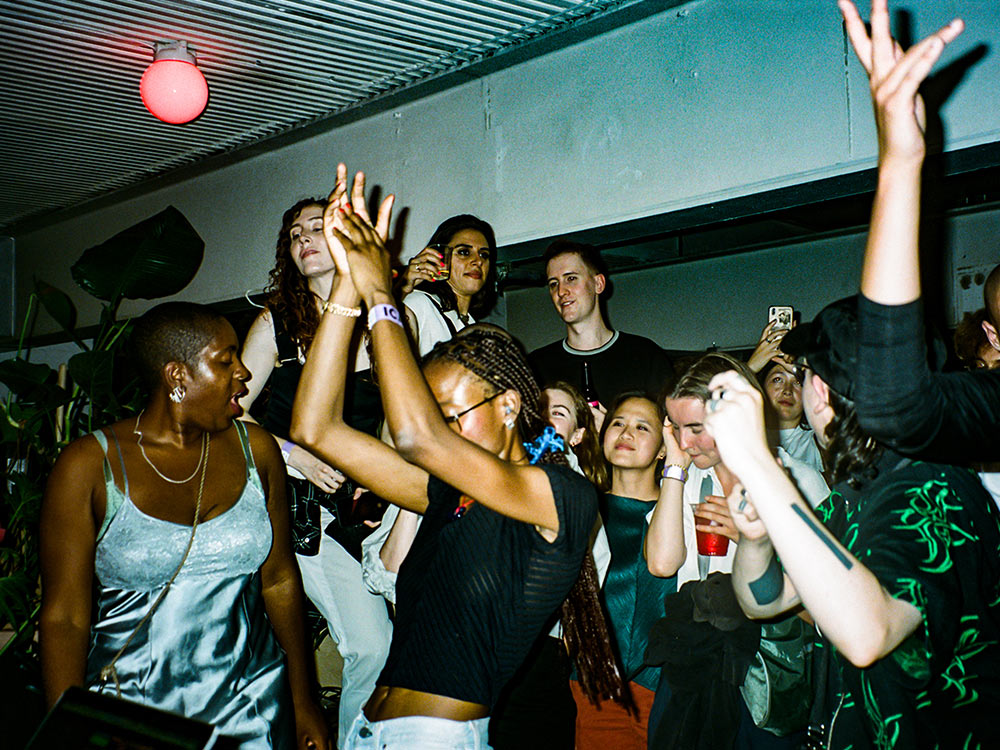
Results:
<point x="548" y="441"/>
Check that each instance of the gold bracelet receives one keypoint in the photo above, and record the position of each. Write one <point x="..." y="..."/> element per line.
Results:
<point x="338" y="309"/>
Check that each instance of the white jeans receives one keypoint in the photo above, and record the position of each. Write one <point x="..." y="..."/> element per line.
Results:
<point x="418" y="733"/>
<point x="358" y="620"/>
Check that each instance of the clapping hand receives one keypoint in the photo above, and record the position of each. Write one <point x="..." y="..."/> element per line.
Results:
<point x="365" y="253"/>
<point x="338" y="201"/>
<point x="895" y="76"/>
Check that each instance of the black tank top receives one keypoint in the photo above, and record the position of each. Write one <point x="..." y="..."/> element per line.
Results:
<point x="362" y="402"/>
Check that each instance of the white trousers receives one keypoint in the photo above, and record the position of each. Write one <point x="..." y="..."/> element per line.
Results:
<point x="358" y="621"/>
<point x="418" y="733"/>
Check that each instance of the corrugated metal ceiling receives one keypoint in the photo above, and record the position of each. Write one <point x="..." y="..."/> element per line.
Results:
<point x="72" y="125"/>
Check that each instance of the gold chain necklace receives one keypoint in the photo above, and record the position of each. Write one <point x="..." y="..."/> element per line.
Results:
<point x="205" y="438"/>
<point x="108" y="672"/>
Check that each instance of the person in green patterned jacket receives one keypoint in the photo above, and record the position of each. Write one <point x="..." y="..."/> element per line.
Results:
<point x="899" y="568"/>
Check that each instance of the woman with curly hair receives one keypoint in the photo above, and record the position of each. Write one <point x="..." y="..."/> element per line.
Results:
<point x="506" y="524"/>
<point x="275" y="351"/>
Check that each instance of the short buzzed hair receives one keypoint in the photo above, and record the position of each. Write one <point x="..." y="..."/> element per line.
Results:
<point x="991" y="296"/>
<point x="171" y="332"/>
<point x="589" y="254"/>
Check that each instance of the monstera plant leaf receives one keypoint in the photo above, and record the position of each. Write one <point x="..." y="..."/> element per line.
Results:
<point x="93" y="372"/>
<point x="22" y="377"/>
<point x="58" y="304"/>
<point x="155" y="258"/>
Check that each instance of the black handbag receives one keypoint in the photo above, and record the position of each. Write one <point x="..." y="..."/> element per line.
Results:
<point x="348" y="527"/>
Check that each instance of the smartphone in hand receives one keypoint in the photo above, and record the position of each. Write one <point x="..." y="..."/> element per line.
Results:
<point x="782" y="317"/>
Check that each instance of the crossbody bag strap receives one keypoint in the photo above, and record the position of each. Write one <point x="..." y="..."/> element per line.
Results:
<point x="445" y="318"/>
<point x="108" y="672"/>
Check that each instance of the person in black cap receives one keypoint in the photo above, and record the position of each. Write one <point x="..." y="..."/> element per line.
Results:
<point x="899" y="567"/>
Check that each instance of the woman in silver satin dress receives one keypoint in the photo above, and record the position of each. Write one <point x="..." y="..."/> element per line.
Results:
<point x="181" y="515"/>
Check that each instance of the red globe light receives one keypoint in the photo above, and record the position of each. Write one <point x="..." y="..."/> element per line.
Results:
<point x="172" y="88"/>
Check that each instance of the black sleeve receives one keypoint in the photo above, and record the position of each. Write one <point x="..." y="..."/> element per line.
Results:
<point x="953" y="417"/>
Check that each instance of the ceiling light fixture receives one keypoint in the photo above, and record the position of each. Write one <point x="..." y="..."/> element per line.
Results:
<point x="172" y="88"/>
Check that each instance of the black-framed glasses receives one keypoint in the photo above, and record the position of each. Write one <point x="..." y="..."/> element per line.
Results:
<point x="453" y="419"/>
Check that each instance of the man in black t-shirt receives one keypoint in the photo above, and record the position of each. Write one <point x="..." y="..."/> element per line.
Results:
<point x="618" y="361"/>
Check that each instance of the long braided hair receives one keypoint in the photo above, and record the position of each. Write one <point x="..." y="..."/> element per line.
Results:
<point x="496" y="357"/>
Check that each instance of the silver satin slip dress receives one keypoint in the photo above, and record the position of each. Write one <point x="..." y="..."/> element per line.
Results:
<point x="208" y="651"/>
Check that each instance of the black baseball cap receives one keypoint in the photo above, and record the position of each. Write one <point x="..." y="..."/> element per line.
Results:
<point x="829" y="344"/>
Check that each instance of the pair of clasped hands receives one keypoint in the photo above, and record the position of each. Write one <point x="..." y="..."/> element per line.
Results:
<point x="356" y="245"/>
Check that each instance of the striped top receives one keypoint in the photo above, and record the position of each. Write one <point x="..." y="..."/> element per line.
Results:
<point x="475" y="592"/>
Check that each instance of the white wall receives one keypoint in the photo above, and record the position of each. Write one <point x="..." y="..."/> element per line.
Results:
<point x="721" y="301"/>
<point x="710" y="101"/>
<point x="724" y="301"/>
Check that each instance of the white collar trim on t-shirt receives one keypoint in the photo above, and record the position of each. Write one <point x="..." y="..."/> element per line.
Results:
<point x="589" y="352"/>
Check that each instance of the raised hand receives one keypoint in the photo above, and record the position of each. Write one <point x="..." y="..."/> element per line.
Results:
<point x="735" y="418"/>
<point x="424" y="266"/>
<point x="368" y="260"/>
<point x="767" y="348"/>
<point x="332" y="215"/>
<point x="895" y="76"/>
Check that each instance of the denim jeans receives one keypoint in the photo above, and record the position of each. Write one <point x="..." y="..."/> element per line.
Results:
<point x="417" y="733"/>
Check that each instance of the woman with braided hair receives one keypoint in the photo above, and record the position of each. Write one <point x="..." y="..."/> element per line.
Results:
<point x="506" y="524"/>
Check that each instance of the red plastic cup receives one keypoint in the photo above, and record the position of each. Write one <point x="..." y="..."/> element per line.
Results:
<point x="715" y="545"/>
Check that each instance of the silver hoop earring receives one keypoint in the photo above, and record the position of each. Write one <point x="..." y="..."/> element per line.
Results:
<point x="509" y="423"/>
<point x="178" y="393"/>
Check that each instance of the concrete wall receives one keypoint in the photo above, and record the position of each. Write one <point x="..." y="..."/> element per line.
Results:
<point x="710" y="101"/>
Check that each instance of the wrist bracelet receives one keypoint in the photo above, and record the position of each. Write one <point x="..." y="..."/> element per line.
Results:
<point x="338" y="309"/>
<point x="286" y="449"/>
<point x="674" y="471"/>
<point x="383" y="312"/>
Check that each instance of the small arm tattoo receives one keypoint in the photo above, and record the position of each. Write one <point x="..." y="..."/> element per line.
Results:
<point x="825" y="539"/>
<point x="769" y="586"/>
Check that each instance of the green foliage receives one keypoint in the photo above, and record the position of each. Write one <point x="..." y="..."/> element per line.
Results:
<point x="141" y="262"/>
<point x="156" y="258"/>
